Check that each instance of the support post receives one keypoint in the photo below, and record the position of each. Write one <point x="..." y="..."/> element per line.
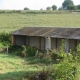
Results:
<point x="13" y="40"/>
<point x="67" y="45"/>
<point x="48" y="43"/>
<point x="7" y="49"/>
<point x="56" y="43"/>
<point x="39" y="42"/>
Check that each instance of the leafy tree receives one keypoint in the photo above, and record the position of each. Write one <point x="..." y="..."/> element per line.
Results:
<point x="26" y="8"/>
<point x="71" y="7"/>
<point x="75" y="8"/>
<point x="54" y="7"/>
<point x="78" y="6"/>
<point x="48" y="8"/>
<point x="66" y="3"/>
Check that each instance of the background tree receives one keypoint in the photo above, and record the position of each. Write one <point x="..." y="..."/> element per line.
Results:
<point x="78" y="6"/>
<point x="26" y="8"/>
<point x="71" y="7"/>
<point x="75" y="8"/>
<point x="66" y="3"/>
<point x="48" y="8"/>
<point x="54" y="7"/>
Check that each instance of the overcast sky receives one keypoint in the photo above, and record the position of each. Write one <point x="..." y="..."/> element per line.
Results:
<point x="31" y="4"/>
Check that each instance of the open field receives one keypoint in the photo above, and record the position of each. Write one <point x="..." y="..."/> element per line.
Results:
<point x="12" y="21"/>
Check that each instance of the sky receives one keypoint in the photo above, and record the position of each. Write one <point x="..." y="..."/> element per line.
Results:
<point x="31" y="4"/>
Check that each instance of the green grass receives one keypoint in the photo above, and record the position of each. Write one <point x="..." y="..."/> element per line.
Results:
<point x="16" y="68"/>
<point x="12" y="21"/>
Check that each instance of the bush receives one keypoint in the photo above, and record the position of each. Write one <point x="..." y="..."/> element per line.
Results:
<point x="54" y="55"/>
<point x="31" y="51"/>
<point x="22" y="51"/>
<point x="14" y="49"/>
<point x="5" y="38"/>
<point x="64" y="71"/>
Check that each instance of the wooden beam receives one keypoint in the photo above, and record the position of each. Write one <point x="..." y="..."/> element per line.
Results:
<point x="39" y="42"/>
<point x="13" y="40"/>
<point x="56" y="42"/>
<point x="76" y="43"/>
<point x="44" y="43"/>
<point x="28" y="40"/>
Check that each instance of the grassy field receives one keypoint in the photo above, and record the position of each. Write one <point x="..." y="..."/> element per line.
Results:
<point x="12" y="21"/>
<point x="16" y="68"/>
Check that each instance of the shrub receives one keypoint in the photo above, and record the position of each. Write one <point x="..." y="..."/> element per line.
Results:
<point x="22" y="51"/>
<point x="14" y="49"/>
<point x="31" y="51"/>
<point x="54" y="55"/>
<point x="64" y="71"/>
<point x="5" y="38"/>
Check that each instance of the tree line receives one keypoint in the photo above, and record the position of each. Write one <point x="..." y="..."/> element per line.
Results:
<point x="66" y="5"/>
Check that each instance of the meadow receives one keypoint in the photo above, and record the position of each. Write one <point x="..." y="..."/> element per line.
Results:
<point x="12" y="21"/>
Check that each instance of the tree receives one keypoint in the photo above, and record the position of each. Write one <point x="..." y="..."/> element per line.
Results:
<point x="54" y="7"/>
<point x="71" y="7"/>
<point x="48" y="8"/>
<point x="26" y="8"/>
<point x="66" y="3"/>
<point x="78" y="6"/>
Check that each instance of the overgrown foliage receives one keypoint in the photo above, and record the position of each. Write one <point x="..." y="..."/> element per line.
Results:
<point x="66" y="3"/>
<point x="22" y="50"/>
<point x="64" y="70"/>
<point x="5" y="38"/>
